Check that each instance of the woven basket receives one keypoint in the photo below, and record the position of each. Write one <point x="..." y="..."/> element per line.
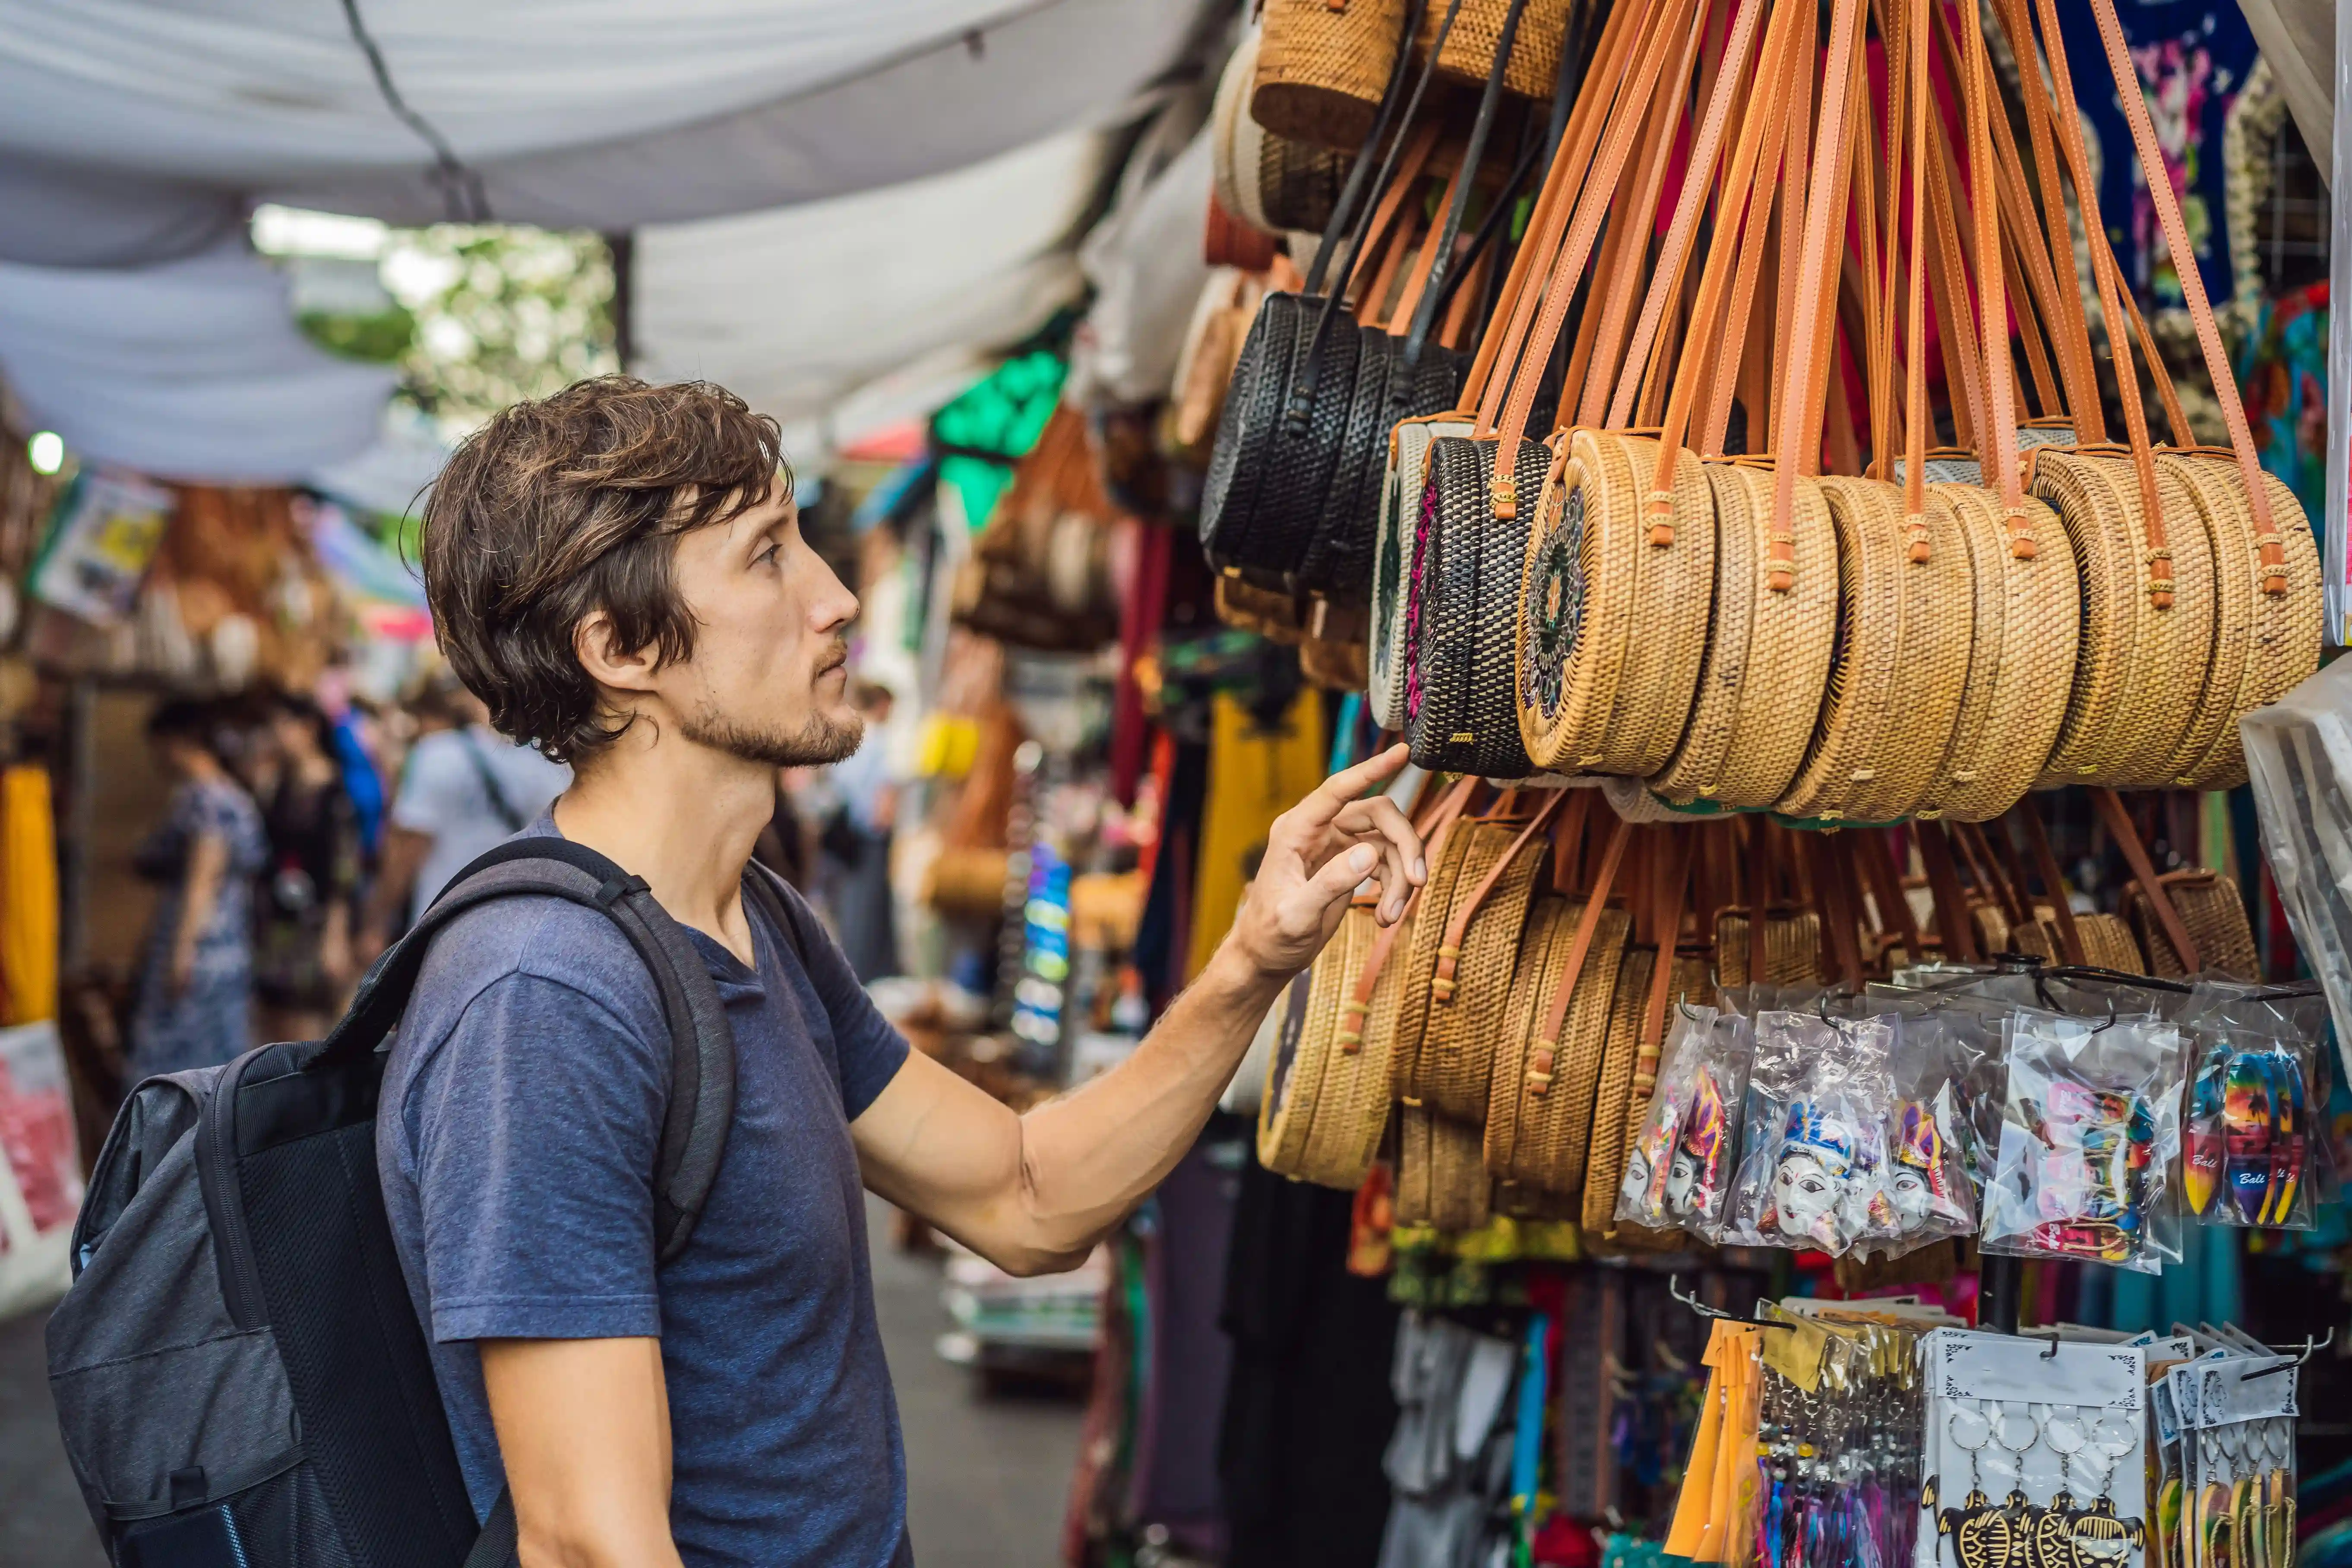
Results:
<point x="1539" y="1130"/>
<point x="2028" y="621"/>
<point x="1322" y="67"/>
<point x="1894" y="684"/>
<point x="1462" y="621"/>
<point x="1416" y="952"/>
<point x="1298" y="183"/>
<point x="1451" y="1071"/>
<point x="2211" y="907"/>
<point x="2271" y="641"/>
<point x="1766" y="653"/>
<point x="1628" y="1078"/>
<point x="2140" y="677"/>
<point x="1611" y="626"/>
<point x="1469" y="53"/>
<point x="1304" y="1052"/>
<point x="2108" y="943"/>
<point x="1440" y="1177"/>
<point x="1405" y="477"/>
<point x="1792" y="949"/>
<point x="1227" y="113"/>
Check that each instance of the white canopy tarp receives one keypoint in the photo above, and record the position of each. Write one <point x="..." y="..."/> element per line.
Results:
<point x="795" y="309"/>
<point x="189" y="370"/>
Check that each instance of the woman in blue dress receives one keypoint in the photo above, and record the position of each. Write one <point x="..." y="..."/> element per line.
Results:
<point x="196" y="976"/>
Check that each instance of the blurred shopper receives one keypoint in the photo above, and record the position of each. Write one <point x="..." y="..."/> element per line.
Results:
<point x="464" y="788"/>
<point x="787" y="846"/>
<point x="303" y="937"/>
<point x="195" y="997"/>
<point x="857" y="845"/>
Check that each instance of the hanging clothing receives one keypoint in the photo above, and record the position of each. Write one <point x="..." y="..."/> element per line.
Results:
<point x="1256" y="772"/>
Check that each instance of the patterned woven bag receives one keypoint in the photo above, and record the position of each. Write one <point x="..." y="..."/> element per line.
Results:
<point x="1323" y="64"/>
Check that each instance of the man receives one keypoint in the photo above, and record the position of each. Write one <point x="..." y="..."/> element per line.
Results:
<point x="618" y="572"/>
<point x="464" y="788"/>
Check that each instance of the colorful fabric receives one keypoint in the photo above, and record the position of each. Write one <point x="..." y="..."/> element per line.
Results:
<point x="2283" y="377"/>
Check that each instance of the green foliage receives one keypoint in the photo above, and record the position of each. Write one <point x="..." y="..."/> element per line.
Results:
<point x="380" y="339"/>
<point x="501" y="314"/>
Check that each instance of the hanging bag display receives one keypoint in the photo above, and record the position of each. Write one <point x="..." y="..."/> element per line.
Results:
<point x="1323" y="67"/>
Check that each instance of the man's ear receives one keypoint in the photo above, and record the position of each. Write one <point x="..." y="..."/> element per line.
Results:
<point x="597" y="647"/>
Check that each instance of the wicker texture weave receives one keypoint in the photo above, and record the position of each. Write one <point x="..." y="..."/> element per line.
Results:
<point x="1464" y="716"/>
<point x="1469" y="54"/>
<point x="1894" y="690"/>
<point x="1456" y="1060"/>
<point x="1767" y="654"/>
<point x="2273" y="639"/>
<point x="1440" y="1180"/>
<point x="1629" y="1075"/>
<point x="2212" y="908"/>
<point x="2140" y="678"/>
<point x="1416" y="956"/>
<point x="2108" y="943"/>
<point x="1792" y="949"/>
<point x="1539" y="1134"/>
<point x="2028" y="621"/>
<point x="1298" y="184"/>
<point x="1304" y="1052"/>
<point x="1401" y="488"/>
<point x="1321" y="69"/>
<point x="1613" y="627"/>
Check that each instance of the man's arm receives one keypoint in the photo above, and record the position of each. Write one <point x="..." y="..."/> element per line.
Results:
<point x="404" y="850"/>
<point x="583" y="1429"/>
<point x="1033" y="1193"/>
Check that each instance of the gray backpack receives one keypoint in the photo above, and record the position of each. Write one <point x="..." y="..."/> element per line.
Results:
<point x="239" y="1375"/>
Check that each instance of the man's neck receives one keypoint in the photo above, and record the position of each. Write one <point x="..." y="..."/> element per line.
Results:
<point x="682" y="817"/>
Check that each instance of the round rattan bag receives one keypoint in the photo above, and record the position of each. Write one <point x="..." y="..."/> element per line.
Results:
<point x="1539" y="1114"/>
<point x="2140" y="674"/>
<point x="1461" y="613"/>
<point x="2028" y="622"/>
<point x="2269" y="642"/>
<point x="1896" y="679"/>
<point x="1612" y="613"/>
<point x="1326" y="1096"/>
<point x="1464" y="949"/>
<point x="1321" y="67"/>
<point x="1766" y="651"/>
<point x="1402" y="487"/>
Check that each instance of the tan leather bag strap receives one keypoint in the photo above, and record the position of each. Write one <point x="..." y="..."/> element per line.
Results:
<point x="2118" y="816"/>
<point x="1617" y="147"/>
<point x="2105" y="273"/>
<point x="2012" y="866"/>
<point x="1804" y="383"/>
<point x="1425" y="262"/>
<point x="1744" y="361"/>
<point x="1994" y="874"/>
<point x="1979" y="100"/>
<point x="1698" y="181"/>
<point x="1457" y="925"/>
<point x="1952" y="921"/>
<point x="2070" y="329"/>
<point x="1482" y="391"/>
<point x="1672" y="886"/>
<point x="1895" y="911"/>
<point x="2045" y="865"/>
<point x="2193" y="293"/>
<point x="1588" y="925"/>
<point x="1358" y="1005"/>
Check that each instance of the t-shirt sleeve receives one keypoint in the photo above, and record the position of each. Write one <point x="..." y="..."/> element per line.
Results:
<point x="534" y="1173"/>
<point x="428" y="800"/>
<point x="869" y="1048"/>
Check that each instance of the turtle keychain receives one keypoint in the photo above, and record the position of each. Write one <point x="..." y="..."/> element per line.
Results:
<point x="1982" y="1536"/>
<point x="2101" y="1538"/>
<point x="2051" y="1538"/>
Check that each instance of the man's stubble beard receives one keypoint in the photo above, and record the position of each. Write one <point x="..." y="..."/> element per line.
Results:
<point x="818" y="742"/>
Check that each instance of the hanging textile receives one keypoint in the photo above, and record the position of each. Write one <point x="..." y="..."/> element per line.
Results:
<point x="29" y="895"/>
<point x="1257" y="771"/>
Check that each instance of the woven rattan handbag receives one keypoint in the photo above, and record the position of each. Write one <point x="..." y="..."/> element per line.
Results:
<point x="1629" y="1068"/>
<point x="1398" y="376"/>
<point x="1537" y="51"/>
<point x="2214" y="913"/>
<point x="1279" y="435"/>
<point x="1539" y="1110"/>
<point x="1323" y="64"/>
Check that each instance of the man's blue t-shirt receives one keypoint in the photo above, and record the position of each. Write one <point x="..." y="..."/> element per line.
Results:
<point x="522" y="1105"/>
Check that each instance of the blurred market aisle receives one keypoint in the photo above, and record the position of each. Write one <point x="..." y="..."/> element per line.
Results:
<point x="987" y="1478"/>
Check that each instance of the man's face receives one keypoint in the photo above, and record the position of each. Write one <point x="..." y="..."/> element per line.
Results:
<point x="769" y="679"/>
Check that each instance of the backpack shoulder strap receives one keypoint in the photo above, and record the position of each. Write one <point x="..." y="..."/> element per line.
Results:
<point x="702" y="1047"/>
<point x="776" y="900"/>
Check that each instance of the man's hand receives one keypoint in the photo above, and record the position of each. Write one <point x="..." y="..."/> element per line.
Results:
<point x="1315" y="855"/>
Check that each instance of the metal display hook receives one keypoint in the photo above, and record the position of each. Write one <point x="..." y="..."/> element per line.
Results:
<point x="1674" y="1289"/>
<point x="2310" y="1349"/>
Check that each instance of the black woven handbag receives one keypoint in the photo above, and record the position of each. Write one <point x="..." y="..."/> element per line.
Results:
<point x="1287" y="409"/>
<point x="1461" y="608"/>
<point x="1398" y="378"/>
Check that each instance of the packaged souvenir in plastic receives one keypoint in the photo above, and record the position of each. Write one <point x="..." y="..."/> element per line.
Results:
<point x="2090" y="1128"/>
<point x="2252" y="1129"/>
<point x="1680" y="1168"/>
<point x="1929" y="1134"/>
<point x="1813" y="1173"/>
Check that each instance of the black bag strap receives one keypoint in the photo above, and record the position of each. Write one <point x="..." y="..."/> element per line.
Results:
<point x="1438" y="287"/>
<point x="501" y="802"/>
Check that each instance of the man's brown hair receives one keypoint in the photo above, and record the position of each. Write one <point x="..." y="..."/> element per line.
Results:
<point x="560" y="508"/>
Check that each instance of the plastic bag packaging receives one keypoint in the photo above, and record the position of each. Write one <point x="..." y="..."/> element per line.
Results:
<point x="2299" y="760"/>
<point x="1681" y="1166"/>
<point x="1928" y="1135"/>
<point x="2090" y="1129"/>
<point x="1973" y="1058"/>
<point x="1813" y="1171"/>
<point x="1749" y="1000"/>
<point x="2255" y="1149"/>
